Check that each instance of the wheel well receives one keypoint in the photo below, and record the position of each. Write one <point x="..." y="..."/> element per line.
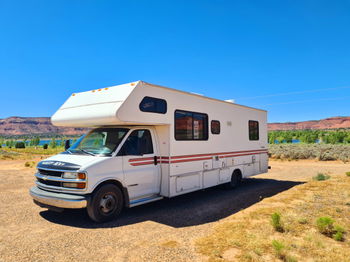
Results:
<point x="237" y="172"/>
<point x="120" y="186"/>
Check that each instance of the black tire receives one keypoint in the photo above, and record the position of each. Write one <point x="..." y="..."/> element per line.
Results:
<point x="236" y="179"/>
<point x="106" y="203"/>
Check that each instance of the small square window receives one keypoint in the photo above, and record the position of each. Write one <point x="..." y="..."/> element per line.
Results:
<point x="253" y="130"/>
<point x="215" y="127"/>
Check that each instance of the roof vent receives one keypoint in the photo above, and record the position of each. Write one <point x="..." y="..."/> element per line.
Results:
<point x="196" y="94"/>
<point x="230" y="101"/>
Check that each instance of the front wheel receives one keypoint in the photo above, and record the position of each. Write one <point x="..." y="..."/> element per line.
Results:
<point x="106" y="203"/>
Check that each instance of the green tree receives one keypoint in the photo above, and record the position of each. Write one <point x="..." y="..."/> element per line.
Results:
<point x="20" y="144"/>
<point x="36" y="141"/>
<point x="53" y="143"/>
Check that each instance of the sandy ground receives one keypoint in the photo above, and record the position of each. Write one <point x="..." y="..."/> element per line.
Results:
<point x="159" y="231"/>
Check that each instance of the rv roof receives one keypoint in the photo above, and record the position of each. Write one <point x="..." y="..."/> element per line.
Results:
<point x="202" y="96"/>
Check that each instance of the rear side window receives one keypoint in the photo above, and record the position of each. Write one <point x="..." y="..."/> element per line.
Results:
<point x="191" y="125"/>
<point x="215" y="127"/>
<point x="153" y="105"/>
<point x="253" y="130"/>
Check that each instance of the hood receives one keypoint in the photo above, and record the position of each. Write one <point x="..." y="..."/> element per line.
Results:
<point x="69" y="162"/>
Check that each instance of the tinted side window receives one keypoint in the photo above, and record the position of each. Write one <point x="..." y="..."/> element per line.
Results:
<point x="153" y="105"/>
<point x="183" y="125"/>
<point x="253" y="130"/>
<point x="190" y="125"/>
<point x="138" y="143"/>
<point x="215" y="127"/>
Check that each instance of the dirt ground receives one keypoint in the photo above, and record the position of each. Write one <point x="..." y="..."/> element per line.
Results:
<point x="161" y="231"/>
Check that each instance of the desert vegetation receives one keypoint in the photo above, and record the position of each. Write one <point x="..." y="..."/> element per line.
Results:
<point x="337" y="136"/>
<point x="321" y="152"/>
<point x="26" y="147"/>
<point x="308" y="222"/>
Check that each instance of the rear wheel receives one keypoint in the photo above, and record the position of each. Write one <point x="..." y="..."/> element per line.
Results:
<point x="106" y="203"/>
<point x="236" y="179"/>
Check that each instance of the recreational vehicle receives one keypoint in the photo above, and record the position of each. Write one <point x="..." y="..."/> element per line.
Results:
<point x="148" y="142"/>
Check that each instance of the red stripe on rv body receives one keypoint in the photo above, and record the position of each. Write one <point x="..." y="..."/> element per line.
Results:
<point x="192" y="158"/>
<point x="142" y="163"/>
<point x="208" y="158"/>
<point x="140" y="159"/>
<point x="217" y="154"/>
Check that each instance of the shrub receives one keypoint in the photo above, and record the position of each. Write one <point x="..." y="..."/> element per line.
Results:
<point x="338" y="236"/>
<point x="53" y="143"/>
<point x="347" y="173"/>
<point x="321" y="177"/>
<point x="325" y="225"/>
<point x="311" y="151"/>
<point x="45" y="146"/>
<point x="279" y="248"/>
<point x="20" y="145"/>
<point x="29" y="164"/>
<point x="276" y="222"/>
<point x="302" y="221"/>
<point x="339" y="233"/>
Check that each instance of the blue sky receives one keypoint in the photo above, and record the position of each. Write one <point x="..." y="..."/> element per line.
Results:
<point x="291" y="58"/>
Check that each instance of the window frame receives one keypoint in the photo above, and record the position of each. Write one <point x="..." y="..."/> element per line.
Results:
<point x="211" y="127"/>
<point x="249" y="132"/>
<point x="156" y="99"/>
<point x="122" y="151"/>
<point x="206" y="125"/>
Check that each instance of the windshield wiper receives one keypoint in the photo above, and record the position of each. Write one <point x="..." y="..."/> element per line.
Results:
<point x="86" y="152"/>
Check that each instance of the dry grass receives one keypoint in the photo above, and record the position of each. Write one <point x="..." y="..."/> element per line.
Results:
<point x="253" y="238"/>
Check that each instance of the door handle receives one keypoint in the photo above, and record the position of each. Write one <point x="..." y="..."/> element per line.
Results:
<point x="155" y="160"/>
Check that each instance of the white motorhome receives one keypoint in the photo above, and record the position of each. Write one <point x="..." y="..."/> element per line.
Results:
<point x="148" y="142"/>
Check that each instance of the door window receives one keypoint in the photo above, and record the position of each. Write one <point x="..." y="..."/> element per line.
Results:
<point x="138" y="143"/>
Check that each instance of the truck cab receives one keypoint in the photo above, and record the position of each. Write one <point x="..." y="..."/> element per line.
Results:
<point x="105" y="170"/>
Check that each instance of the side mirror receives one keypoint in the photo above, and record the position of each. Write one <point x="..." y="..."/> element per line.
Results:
<point x="67" y="144"/>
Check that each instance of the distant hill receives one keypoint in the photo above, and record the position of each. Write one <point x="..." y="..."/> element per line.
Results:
<point x="14" y="126"/>
<point x="327" y="123"/>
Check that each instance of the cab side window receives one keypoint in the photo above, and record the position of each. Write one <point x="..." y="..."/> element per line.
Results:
<point x="138" y="143"/>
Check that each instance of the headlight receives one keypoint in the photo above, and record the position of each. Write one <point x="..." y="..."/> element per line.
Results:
<point x="74" y="175"/>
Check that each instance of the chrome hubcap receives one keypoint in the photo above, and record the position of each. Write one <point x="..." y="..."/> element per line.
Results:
<point x="107" y="203"/>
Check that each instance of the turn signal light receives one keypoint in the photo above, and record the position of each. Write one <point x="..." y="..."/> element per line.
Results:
<point x="74" y="185"/>
<point x="81" y="175"/>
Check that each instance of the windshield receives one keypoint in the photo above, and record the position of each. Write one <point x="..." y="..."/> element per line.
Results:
<point x="100" y="141"/>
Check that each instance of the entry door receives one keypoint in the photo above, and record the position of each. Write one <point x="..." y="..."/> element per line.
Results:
<point x="141" y="171"/>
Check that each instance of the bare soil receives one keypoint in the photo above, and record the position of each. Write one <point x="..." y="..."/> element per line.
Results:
<point x="161" y="231"/>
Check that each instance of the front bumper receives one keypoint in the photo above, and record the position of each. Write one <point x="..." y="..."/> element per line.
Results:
<point x="45" y="198"/>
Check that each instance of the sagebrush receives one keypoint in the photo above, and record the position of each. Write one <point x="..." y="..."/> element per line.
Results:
<point x="322" y="152"/>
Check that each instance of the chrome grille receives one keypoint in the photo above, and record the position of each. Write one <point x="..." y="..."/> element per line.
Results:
<point x="49" y="182"/>
<point x="50" y="172"/>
